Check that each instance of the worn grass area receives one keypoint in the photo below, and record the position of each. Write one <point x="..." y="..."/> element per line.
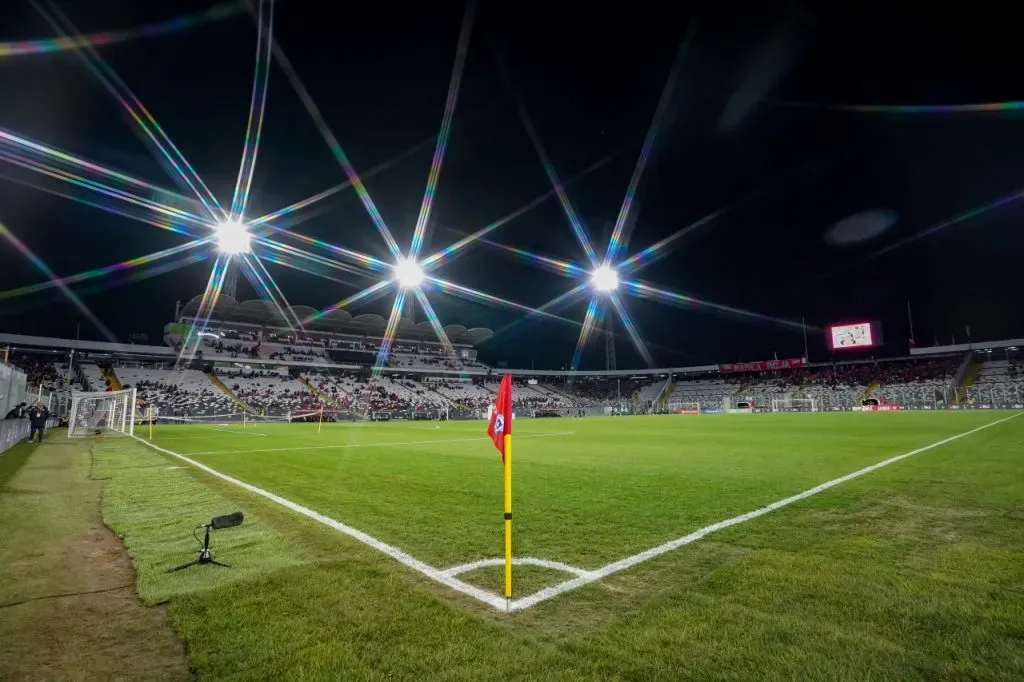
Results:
<point x="915" y="571"/>
<point x="68" y="608"/>
<point x="154" y="505"/>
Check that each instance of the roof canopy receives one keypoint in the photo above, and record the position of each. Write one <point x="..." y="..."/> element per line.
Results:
<point x="264" y="314"/>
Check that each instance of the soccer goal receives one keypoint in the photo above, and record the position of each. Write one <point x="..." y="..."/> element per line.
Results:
<point x="794" y="405"/>
<point x="102" y="412"/>
<point x="676" y="407"/>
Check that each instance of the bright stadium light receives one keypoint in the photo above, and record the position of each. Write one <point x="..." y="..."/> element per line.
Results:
<point x="232" y="238"/>
<point x="605" y="279"/>
<point x="409" y="274"/>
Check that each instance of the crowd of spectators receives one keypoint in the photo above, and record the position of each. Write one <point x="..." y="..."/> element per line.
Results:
<point x="181" y="394"/>
<point x="42" y="370"/>
<point x="274" y="394"/>
<point x="233" y="350"/>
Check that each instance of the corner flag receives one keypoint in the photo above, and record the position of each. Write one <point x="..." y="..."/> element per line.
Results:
<point x="499" y="428"/>
<point x="500" y="424"/>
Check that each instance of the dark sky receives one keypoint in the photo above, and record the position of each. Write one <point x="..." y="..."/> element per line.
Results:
<point x="752" y="126"/>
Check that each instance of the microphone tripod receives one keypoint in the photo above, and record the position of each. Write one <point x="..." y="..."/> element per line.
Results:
<point x="205" y="555"/>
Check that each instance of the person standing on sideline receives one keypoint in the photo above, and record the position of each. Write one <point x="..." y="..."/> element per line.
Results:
<point x="37" y="416"/>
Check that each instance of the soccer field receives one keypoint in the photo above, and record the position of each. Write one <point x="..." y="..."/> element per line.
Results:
<point x="589" y="493"/>
<point x="371" y="551"/>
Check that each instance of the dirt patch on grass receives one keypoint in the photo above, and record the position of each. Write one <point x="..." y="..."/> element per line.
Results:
<point x="79" y="617"/>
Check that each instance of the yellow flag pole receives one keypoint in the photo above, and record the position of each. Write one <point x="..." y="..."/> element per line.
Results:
<point x="508" y="521"/>
<point x="320" y="423"/>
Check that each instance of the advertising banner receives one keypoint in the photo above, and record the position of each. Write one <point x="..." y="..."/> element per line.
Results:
<point x="762" y="366"/>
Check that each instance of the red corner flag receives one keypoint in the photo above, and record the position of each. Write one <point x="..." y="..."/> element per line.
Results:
<point x="500" y="424"/>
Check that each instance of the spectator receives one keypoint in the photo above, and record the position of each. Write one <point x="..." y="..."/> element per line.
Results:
<point x="37" y="416"/>
<point x="17" y="412"/>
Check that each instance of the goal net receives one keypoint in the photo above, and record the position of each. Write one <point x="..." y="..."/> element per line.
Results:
<point x="794" y="405"/>
<point x="108" y="411"/>
<point x="679" y="407"/>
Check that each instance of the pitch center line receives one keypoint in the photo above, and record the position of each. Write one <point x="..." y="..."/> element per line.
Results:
<point x="375" y="445"/>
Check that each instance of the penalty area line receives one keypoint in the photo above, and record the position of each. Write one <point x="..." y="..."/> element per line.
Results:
<point x="630" y="561"/>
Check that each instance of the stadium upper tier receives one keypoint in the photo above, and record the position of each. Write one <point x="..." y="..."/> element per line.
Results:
<point x="258" y="314"/>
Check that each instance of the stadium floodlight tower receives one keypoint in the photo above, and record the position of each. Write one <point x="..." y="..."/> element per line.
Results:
<point x="409" y="274"/>
<point x="233" y="238"/>
<point x="604" y="279"/>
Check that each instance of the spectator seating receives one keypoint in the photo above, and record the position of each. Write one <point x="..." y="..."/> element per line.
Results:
<point x="270" y="393"/>
<point x="998" y="383"/>
<point x="177" y="393"/>
<point x="709" y="392"/>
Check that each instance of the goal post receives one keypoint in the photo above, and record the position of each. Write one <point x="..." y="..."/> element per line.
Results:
<point x="794" y="405"/>
<point x="102" y="412"/>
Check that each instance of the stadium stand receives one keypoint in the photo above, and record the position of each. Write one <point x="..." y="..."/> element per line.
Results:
<point x="176" y="393"/>
<point x="93" y="378"/>
<point x="650" y="391"/>
<point x="469" y="395"/>
<point x="259" y="360"/>
<point x="837" y="387"/>
<point x="271" y="393"/>
<point x="918" y="383"/>
<point x="710" y="392"/>
<point x="44" y="371"/>
<point x="998" y="383"/>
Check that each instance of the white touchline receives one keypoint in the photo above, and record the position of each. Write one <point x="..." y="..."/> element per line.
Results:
<point x="630" y="561"/>
<point x="375" y="445"/>
<point x="583" y="577"/>
<point x="207" y="436"/>
<point x="393" y="552"/>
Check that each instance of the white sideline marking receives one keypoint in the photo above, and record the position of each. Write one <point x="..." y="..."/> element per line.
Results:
<point x="374" y="445"/>
<point x="393" y="552"/>
<point x="207" y="436"/>
<point x="448" y="577"/>
<point x="630" y="561"/>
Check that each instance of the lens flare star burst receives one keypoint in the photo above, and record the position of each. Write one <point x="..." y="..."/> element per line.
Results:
<point x="604" y="279"/>
<point x="409" y="274"/>
<point x="221" y="231"/>
<point x="233" y="238"/>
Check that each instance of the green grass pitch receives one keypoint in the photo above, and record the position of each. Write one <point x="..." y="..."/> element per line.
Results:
<point x="912" y="571"/>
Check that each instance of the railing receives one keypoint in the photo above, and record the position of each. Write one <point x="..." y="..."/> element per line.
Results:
<point x="994" y="396"/>
<point x="953" y="393"/>
<point x="657" y="402"/>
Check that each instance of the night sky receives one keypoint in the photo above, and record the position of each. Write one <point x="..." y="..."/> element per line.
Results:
<point x="755" y="125"/>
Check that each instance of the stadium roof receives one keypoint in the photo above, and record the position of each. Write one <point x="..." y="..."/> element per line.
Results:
<point x="264" y="314"/>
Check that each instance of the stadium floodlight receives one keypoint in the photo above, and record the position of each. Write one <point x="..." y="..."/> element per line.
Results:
<point x="232" y="238"/>
<point x="409" y="274"/>
<point x="605" y="279"/>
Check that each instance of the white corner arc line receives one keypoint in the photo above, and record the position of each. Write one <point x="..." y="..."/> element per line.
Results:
<point x="517" y="561"/>
<point x="376" y="445"/>
<point x="630" y="561"/>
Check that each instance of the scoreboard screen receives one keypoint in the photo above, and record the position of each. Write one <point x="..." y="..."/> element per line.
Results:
<point x="848" y="336"/>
